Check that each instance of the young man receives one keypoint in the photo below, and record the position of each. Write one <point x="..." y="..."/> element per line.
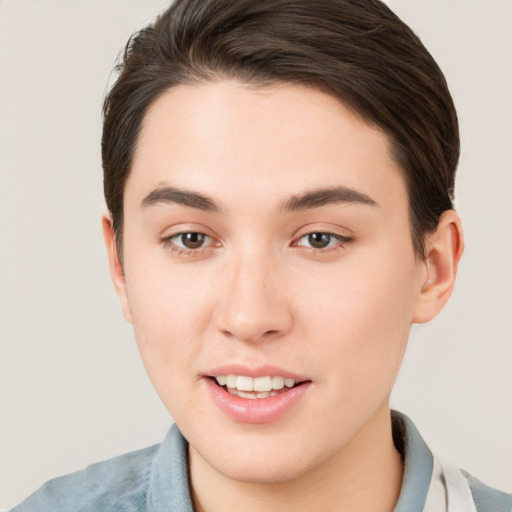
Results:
<point x="279" y="178"/>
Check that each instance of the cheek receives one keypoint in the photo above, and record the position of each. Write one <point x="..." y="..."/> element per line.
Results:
<point x="360" y="318"/>
<point x="163" y="296"/>
<point x="169" y="310"/>
<point x="167" y="327"/>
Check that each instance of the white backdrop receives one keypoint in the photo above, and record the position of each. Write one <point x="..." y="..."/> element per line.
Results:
<point x="72" y="389"/>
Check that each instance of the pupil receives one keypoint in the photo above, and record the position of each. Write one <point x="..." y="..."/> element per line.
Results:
<point x="192" y="240"/>
<point x="319" y="240"/>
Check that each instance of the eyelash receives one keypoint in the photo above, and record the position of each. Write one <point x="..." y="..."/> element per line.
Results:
<point x="167" y="242"/>
<point x="341" y="242"/>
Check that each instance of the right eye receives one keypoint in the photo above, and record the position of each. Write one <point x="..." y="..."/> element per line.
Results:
<point x="188" y="242"/>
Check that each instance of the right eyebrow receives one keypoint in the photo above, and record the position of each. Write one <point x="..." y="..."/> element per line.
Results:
<point x="182" y="197"/>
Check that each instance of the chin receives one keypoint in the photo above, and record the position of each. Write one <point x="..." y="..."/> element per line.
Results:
<point x="270" y="472"/>
<point x="261" y="463"/>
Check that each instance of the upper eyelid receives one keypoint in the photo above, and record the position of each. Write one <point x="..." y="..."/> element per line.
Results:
<point x="187" y="231"/>
<point x="337" y="232"/>
<point x="330" y="233"/>
<point x="180" y="229"/>
<point x="341" y="239"/>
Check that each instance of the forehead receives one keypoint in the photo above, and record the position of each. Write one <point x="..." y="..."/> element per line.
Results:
<point x="230" y="140"/>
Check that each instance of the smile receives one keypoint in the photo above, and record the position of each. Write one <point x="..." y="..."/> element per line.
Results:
<point x="244" y="386"/>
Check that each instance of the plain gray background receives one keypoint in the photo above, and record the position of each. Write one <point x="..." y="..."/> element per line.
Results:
<point x="72" y="389"/>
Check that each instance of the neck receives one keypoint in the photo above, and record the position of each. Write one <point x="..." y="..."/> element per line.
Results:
<point x="365" y="475"/>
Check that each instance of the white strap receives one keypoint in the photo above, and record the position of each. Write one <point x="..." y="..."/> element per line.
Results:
<point x="459" y="494"/>
<point x="449" y="490"/>
<point x="436" y="497"/>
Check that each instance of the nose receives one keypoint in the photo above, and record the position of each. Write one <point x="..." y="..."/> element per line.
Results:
<point x="254" y="304"/>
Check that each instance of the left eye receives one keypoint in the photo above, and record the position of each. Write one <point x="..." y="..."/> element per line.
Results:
<point x="190" y="240"/>
<point x="320" y="240"/>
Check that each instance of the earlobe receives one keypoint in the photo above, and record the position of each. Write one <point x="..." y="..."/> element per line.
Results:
<point x="444" y="249"/>
<point x="115" y="265"/>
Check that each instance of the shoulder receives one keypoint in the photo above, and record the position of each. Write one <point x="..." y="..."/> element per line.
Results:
<point x="117" y="484"/>
<point x="486" y="498"/>
<point x="154" y="479"/>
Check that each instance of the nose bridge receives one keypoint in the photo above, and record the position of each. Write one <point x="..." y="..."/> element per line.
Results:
<point x="254" y="306"/>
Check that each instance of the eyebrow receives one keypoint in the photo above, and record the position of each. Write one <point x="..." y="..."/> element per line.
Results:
<point x="182" y="197"/>
<point x="308" y="200"/>
<point x="327" y="196"/>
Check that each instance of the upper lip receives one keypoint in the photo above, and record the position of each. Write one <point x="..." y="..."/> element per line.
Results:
<point x="255" y="371"/>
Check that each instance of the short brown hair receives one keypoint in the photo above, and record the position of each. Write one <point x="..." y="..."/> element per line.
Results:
<point x="358" y="51"/>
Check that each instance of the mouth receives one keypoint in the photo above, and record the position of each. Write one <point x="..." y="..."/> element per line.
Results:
<point x="257" y="395"/>
<point x="254" y="388"/>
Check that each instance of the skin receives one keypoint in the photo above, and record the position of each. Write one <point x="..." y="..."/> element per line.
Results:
<point x="258" y="293"/>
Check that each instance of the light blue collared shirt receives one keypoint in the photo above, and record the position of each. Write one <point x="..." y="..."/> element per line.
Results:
<point x="155" y="479"/>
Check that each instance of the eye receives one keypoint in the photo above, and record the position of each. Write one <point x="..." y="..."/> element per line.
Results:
<point x="190" y="240"/>
<point x="320" y="240"/>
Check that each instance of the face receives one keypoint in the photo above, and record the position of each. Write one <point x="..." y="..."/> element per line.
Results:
<point x="267" y="245"/>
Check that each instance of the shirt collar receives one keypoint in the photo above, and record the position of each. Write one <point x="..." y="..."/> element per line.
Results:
<point x="418" y="464"/>
<point x="168" y="483"/>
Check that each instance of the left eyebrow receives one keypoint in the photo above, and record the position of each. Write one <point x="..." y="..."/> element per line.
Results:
<point x="191" y="199"/>
<point x="327" y="196"/>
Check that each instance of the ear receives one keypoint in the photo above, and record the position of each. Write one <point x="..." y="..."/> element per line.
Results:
<point x="443" y="249"/>
<point x="115" y="265"/>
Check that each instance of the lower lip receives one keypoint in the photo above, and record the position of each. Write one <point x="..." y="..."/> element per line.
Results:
<point x="256" y="410"/>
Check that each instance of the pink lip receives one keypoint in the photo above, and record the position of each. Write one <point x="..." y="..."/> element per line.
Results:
<point x="259" y="371"/>
<point x="259" y="410"/>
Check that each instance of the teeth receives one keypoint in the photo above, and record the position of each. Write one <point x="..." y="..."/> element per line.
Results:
<point x="252" y="396"/>
<point x="230" y="381"/>
<point x="277" y="382"/>
<point x="260" y="385"/>
<point x="244" y="383"/>
<point x="266" y="394"/>
<point x="243" y="394"/>
<point x="289" y="383"/>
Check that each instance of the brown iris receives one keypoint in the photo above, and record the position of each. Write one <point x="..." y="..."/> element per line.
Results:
<point x="319" y="240"/>
<point x="193" y="240"/>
